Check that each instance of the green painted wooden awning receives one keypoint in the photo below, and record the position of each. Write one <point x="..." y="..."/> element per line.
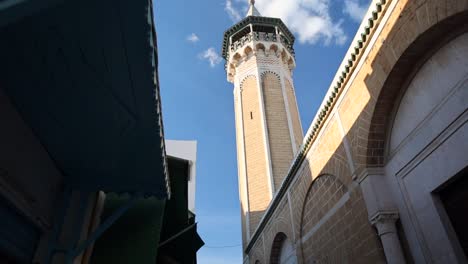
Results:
<point x="134" y="237"/>
<point x="83" y="75"/>
<point x="179" y="240"/>
<point x="152" y="229"/>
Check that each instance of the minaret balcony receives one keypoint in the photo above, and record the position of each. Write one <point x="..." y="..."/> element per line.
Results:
<point x="260" y="37"/>
<point x="258" y="43"/>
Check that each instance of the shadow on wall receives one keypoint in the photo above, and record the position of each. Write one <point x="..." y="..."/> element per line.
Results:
<point x="368" y="140"/>
<point x="255" y="217"/>
<point x="329" y="211"/>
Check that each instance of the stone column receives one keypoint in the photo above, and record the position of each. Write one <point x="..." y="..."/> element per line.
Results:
<point x="384" y="222"/>
<point x="382" y="211"/>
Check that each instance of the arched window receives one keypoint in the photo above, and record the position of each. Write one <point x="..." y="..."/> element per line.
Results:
<point x="273" y="49"/>
<point x="282" y="251"/>
<point x="236" y="57"/>
<point x="260" y="47"/>
<point x="248" y="51"/>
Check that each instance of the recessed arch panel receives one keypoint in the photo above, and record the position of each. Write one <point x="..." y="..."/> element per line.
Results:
<point x="277" y="127"/>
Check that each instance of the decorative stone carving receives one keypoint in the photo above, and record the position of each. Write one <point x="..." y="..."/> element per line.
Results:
<point x="381" y="211"/>
<point x="384" y="222"/>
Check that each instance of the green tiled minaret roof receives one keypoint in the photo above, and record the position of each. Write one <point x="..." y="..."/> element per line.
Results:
<point x="256" y="19"/>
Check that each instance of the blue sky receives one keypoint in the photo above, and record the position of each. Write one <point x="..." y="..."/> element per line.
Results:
<point x="198" y="101"/>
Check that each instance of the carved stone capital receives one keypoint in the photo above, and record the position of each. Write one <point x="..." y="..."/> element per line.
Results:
<point x="384" y="221"/>
<point x="384" y="216"/>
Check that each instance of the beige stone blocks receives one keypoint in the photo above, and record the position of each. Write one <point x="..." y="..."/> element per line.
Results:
<point x="263" y="131"/>
<point x="281" y="152"/>
<point x="294" y="113"/>
<point x="327" y="147"/>
<point x="335" y="227"/>
<point x="256" y="163"/>
<point x="330" y="220"/>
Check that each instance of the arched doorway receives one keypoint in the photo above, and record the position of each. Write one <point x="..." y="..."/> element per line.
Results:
<point x="426" y="155"/>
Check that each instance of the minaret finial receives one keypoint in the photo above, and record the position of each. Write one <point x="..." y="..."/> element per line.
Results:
<point x="252" y="10"/>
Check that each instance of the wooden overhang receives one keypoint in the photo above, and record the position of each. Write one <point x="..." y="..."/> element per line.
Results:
<point x="83" y="76"/>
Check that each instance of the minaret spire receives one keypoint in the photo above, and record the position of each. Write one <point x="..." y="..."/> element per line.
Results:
<point x="252" y="10"/>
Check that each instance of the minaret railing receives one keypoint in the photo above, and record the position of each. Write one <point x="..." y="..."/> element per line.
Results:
<point x="261" y="36"/>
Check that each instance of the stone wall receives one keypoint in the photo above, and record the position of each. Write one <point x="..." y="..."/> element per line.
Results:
<point x="323" y="211"/>
<point x="294" y="112"/>
<point x="281" y="152"/>
<point x="257" y="185"/>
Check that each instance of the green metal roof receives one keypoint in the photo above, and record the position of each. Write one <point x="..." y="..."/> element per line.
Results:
<point x="255" y="20"/>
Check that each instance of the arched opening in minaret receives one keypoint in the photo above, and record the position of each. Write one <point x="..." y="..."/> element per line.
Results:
<point x="290" y="63"/>
<point x="284" y="56"/>
<point x="260" y="47"/>
<point x="236" y="58"/>
<point x="231" y="70"/>
<point x="248" y="51"/>
<point x="273" y="49"/>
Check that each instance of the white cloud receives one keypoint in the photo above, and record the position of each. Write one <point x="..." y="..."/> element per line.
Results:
<point x="355" y="10"/>
<point x="193" y="38"/>
<point x="232" y="11"/>
<point x="212" y="56"/>
<point x="310" y="20"/>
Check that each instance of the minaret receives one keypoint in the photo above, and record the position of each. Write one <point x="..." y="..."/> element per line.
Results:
<point x="259" y="62"/>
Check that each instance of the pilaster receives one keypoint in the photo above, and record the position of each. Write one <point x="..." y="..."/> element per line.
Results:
<point x="382" y="212"/>
<point x="384" y="222"/>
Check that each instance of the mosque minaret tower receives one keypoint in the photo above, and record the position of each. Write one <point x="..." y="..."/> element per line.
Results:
<point x="260" y="59"/>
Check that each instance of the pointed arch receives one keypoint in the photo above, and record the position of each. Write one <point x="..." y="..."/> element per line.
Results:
<point x="260" y="47"/>
<point x="409" y="61"/>
<point x="273" y="49"/>
<point x="248" y="51"/>
<point x="236" y="58"/>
